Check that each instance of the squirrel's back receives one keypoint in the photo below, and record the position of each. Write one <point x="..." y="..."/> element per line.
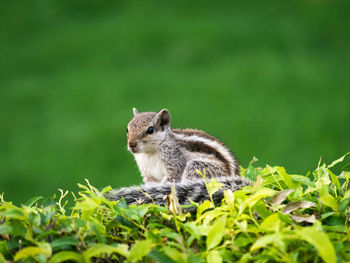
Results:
<point x="201" y="143"/>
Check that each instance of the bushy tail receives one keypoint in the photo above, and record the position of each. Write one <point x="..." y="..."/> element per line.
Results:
<point x="194" y="189"/>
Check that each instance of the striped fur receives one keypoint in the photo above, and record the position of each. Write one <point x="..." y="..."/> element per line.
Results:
<point x="197" y="140"/>
<point x="172" y="155"/>
<point x="194" y="189"/>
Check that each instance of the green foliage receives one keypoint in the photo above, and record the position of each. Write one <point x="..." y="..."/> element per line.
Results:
<point x="280" y="218"/>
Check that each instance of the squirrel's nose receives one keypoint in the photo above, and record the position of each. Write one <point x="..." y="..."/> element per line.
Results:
<point x="132" y="145"/>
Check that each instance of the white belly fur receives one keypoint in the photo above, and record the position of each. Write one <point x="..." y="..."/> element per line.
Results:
<point x="151" y="165"/>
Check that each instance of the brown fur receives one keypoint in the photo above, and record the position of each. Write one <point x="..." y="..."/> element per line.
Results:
<point x="138" y="125"/>
<point x="190" y="132"/>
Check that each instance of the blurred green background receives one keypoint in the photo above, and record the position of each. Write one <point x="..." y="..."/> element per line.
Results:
<point x="271" y="79"/>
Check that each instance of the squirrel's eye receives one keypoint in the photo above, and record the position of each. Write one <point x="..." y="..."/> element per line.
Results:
<point x="150" y="130"/>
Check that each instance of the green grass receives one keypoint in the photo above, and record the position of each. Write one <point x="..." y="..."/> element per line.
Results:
<point x="269" y="79"/>
<point x="280" y="218"/>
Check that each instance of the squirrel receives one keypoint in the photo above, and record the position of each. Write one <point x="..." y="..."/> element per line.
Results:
<point x="171" y="155"/>
<point x="167" y="157"/>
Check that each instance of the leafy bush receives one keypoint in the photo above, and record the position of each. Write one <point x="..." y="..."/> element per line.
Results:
<point x="281" y="217"/>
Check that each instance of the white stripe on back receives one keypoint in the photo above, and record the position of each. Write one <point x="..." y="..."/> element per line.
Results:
<point x="212" y="143"/>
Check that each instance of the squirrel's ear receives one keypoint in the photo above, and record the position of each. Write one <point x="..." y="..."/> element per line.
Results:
<point x="135" y="111"/>
<point x="163" y="118"/>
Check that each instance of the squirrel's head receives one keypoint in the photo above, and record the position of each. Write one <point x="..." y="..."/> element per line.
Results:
<point x="147" y="130"/>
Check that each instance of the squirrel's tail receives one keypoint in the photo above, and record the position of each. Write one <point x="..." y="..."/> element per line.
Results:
<point x="194" y="189"/>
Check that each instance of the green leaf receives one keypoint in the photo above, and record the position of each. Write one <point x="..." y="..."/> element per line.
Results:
<point x="271" y="223"/>
<point x="141" y="210"/>
<point x="303" y="180"/>
<point x="121" y="249"/>
<point x="204" y="206"/>
<point x="160" y="256"/>
<point x="125" y="222"/>
<point x="18" y="228"/>
<point x="15" y="213"/>
<point x="242" y="241"/>
<point x="213" y="186"/>
<point x="261" y="193"/>
<point x="169" y="234"/>
<point x="323" y="177"/>
<point x="338" y="160"/>
<point x="4" y="250"/>
<point x="285" y="218"/>
<point x="32" y="251"/>
<point x="192" y="228"/>
<point x="64" y="242"/>
<point x="194" y="258"/>
<point x="174" y="254"/>
<point x="264" y="241"/>
<point x="325" y="215"/>
<point x="346" y="195"/>
<point x="106" y="189"/>
<point x="229" y="198"/>
<point x="260" y="208"/>
<point x="6" y="228"/>
<point x="330" y="201"/>
<point x="320" y="241"/>
<point x="66" y="256"/>
<point x="216" y="233"/>
<point x="98" y="229"/>
<point x="287" y="179"/>
<point x="336" y="228"/>
<point x="101" y="249"/>
<point x="229" y="232"/>
<point x="140" y="249"/>
<point x="214" y="257"/>
<point x="344" y="205"/>
<point x="32" y="201"/>
<point x="87" y="204"/>
<point x="2" y="259"/>
<point x="252" y="172"/>
<point x="334" y="179"/>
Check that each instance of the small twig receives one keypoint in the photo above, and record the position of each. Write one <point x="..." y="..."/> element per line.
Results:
<point x="136" y="224"/>
<point x="177" y="226"/>
<point x="274" y="177"/>
<point x="20" y="245"/>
